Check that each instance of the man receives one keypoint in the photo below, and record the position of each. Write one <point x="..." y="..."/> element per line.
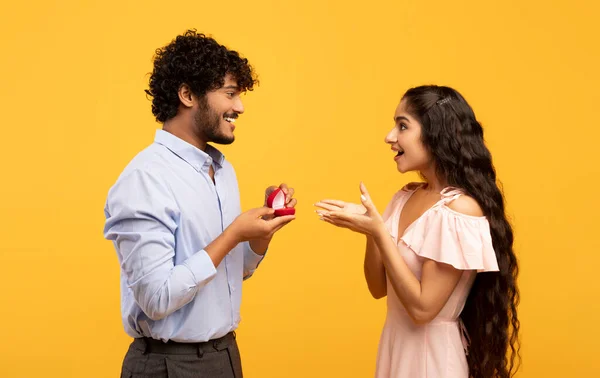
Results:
<point x="174" y="217"/>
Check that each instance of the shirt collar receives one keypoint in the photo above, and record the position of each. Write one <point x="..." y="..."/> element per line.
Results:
<point x="192" y="155"/>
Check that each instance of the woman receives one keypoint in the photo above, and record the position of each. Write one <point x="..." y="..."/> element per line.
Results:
<point x="448" y="269"/>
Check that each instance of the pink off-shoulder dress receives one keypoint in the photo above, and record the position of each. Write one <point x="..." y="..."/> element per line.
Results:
<point x="438" y="348"/>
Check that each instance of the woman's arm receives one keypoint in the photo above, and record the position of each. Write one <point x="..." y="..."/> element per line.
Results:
<point x="374" y="270"/>
<point x="423" y="299"/>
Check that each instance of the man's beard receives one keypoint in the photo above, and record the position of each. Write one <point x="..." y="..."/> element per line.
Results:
<point x="208" y="121"/>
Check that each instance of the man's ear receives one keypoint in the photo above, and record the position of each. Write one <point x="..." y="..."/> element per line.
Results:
<point x="186" y="96"/>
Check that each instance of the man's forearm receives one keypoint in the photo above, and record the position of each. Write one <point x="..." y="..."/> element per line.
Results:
<point x="221" y="246"/>
<point x="259" y="246"/>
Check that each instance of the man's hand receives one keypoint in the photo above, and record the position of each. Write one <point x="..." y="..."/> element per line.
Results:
<point x="252" y="224"/>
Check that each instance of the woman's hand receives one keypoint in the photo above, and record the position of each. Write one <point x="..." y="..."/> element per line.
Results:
<point x="364" y="218"/>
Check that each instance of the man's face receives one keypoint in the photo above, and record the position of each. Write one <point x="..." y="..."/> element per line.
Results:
<point x="217" y="112"/>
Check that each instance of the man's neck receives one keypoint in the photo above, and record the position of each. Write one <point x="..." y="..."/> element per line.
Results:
<point x="183" y="132"/>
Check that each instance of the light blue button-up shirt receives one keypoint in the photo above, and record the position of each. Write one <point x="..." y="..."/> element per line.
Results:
<point x="161" y="213"/>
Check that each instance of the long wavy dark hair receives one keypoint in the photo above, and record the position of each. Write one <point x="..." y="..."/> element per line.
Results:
<point x="454" y="138"/>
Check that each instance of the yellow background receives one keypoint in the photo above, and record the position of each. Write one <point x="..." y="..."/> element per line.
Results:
<point x="74" y="113"/>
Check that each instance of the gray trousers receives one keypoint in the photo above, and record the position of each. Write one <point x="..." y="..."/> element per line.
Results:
<point x="149" y="358"/>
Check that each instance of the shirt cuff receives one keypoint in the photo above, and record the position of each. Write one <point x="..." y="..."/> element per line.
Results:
<point x="202" y="267"/>
<point x="251" y="261"/>
<point x="254" y="258"/>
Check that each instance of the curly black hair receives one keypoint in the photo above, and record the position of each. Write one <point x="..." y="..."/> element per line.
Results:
<point x="454" y="138"/>
<point x="199" y="62"/>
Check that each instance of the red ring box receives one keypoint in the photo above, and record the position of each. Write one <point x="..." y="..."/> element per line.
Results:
<point x="276" y="200"/>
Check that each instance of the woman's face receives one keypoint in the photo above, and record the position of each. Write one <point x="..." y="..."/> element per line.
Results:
<point x="405" y="140"/>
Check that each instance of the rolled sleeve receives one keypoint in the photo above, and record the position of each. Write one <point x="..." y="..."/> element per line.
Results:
<point x="251" y="260"/>
<point x="202" y="267"/>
